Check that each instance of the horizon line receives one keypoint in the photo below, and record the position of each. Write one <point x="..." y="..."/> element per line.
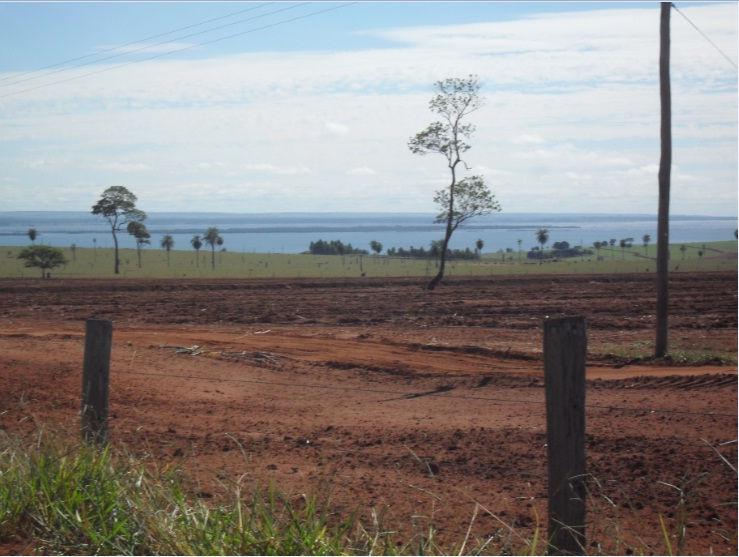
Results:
<point x="735" y="216"/>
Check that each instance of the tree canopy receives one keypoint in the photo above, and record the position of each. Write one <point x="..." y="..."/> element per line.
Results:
<point x="118" y="206"/>
<point x="462" y="199"/>
<point x="42" y="257"/>
<point x="213" y="238"/>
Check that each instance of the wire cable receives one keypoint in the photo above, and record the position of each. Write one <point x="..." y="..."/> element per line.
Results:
<point x="161" y="43"/>
<point x="714" y="45"/>
<point x="410" y="396"/>
<point x="160" y="55"/>
<point x="117" y="47"/>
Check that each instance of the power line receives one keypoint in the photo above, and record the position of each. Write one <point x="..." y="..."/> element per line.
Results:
<point x="160" y="55"/>
<point x="440" y="393"/>
<point x="99" y="52"/>
<point x="147" y="46"/>
<point x="721" y="52"/>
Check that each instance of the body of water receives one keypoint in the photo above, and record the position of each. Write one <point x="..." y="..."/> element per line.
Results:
<point x="293" y="232"/>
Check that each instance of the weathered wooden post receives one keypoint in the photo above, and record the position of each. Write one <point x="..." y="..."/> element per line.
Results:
<point x="564" y="376"/>
<point x="95" y="380"/>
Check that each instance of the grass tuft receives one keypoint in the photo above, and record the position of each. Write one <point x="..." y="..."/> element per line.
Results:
<point x="84" y="501"/>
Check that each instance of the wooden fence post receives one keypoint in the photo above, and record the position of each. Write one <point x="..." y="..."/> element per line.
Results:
<point x="564" y="376"/>
<point x="95" y="380"/>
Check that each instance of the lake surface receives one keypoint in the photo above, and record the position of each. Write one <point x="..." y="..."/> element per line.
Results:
<point x="293" y="232"/>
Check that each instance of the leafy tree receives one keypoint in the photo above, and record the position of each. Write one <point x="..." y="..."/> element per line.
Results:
<point x="197" y="243"/>
<point x="433" y="252"/>
<point x="683" y="249"/>
<point x="612" y="242"/>
<point x="376" y="247"/>
<point x="32" y="234"/>
<point x="118" y="206"/>
<point x="646" y="239"/>
<point x="213" y="239"/>
<point x="700" y="253"/>
<point x="597" y="245"/>
<point x="43" y="257"/>
<point x="167" y="244"/>
<point x="73" y="248"/>
<point x="542" y="236"/>
<point x="623" y="244"/>
<point x="335" y="247"/>
<point x="461" y="200"/>
<point x="141" y="235"/>
<point x="479" y="244"/>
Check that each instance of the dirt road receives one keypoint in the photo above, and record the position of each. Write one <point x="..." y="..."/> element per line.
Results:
<point x="391" y="397"/>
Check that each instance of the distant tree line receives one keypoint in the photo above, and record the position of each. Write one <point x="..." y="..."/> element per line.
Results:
<point x="433" y="252"/>
<point x="559" y="250"/>
<point x="334" y="247"/>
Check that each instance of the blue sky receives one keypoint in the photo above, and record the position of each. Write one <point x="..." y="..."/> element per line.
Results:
<point x="315" y="114"/>
<point x="35" y="34"/>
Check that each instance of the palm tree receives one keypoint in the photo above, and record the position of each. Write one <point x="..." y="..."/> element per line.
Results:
<point x="597" y="246"/>
<point x="646" y="239"/>
<point x="197" y="243"/>
<point x="519" y="241"/>
<point x="167" y="243"/>
<point x="141" y="235"/>
<point x="213" y="239"/>
<point x="542" y="236"/>
<point x="683" y="249"/>
<point x="612" y="242"/>
<point x="625" y="243"/>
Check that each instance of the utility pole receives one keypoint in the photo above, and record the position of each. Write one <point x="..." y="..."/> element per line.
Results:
<point x="665" y="162"/>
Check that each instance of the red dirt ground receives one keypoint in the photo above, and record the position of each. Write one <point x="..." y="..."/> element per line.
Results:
<point x="389" y="396"/>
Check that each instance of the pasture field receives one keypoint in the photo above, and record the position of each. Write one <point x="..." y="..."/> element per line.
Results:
<point x="412" y="408"/>
<point x="92" y="263"/>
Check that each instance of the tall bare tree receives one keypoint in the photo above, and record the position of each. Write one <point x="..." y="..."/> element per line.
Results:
<point x="462" y="199"/>
<point x="118" y="206"/>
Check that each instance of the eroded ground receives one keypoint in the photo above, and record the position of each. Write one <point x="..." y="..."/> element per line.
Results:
<point x="392" y="397"/>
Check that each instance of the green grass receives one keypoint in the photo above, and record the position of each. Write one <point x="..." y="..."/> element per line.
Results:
<point x="57" y="499"/>
<point x="643" y="351"/>
<point x="84" y="501"/>
<point x="94" y="263"/>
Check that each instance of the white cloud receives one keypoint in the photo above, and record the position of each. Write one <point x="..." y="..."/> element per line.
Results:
<point x="361" y="171"/>
<point x="571" y="120"/>
<point x="337" y="129"/>
<point x="528" y="139"/>
<point x="123" y="166"/>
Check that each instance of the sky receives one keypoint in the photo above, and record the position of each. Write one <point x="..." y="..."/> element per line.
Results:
<point x="309" y="107"/>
